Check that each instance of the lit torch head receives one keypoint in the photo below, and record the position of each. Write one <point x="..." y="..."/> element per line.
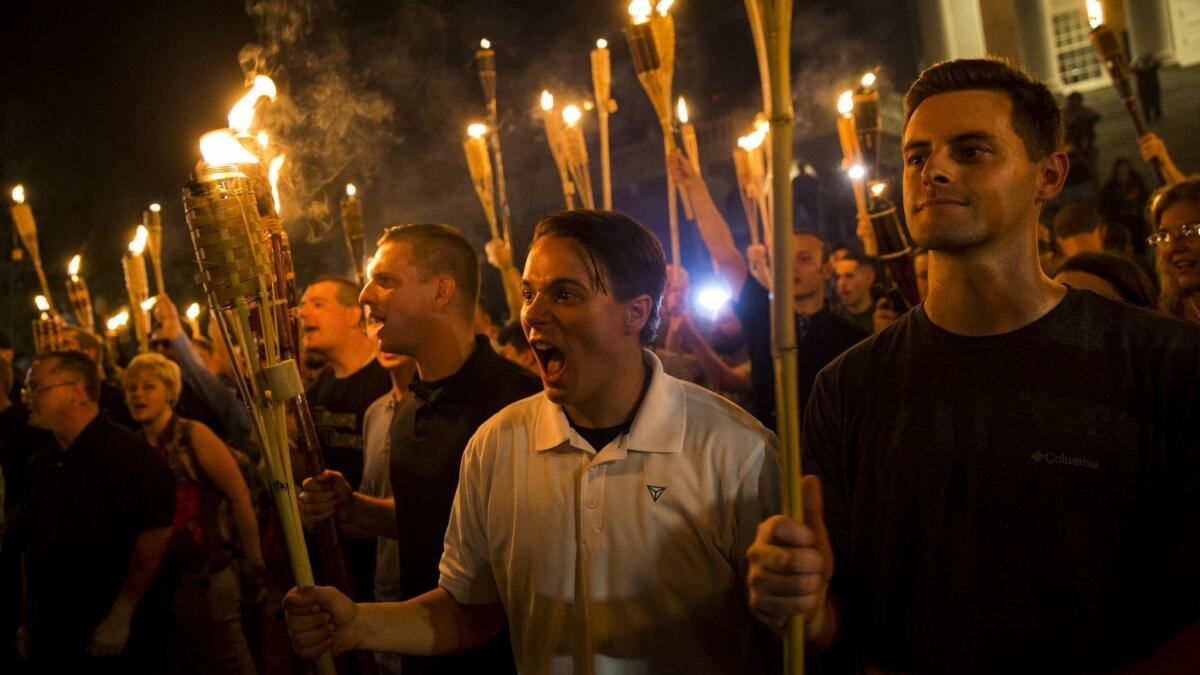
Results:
<point x="681" y="110"/>
<point x="845" y="104"/>
<point x="241" y="116"/>
<point x="868" y="79"/>
<point x="193" y="311"/>
<point x="640" y="11"/>
<point x="156" y="208"/>
<point x="18" y="194"/>
<point x="73" y="266"/>
<point x="1095" y="11"/>
<point x="138" y="245"/>
<point x="220" y="148"/>
<point x="571" y="115"/>
<point x="42" y="303"/>
<point x="547" y="100"/>
<point x="351" y="190"/>
<point x="149" y="303"/>
<point x="478" y="130"/>
<point x="857" y="172"/>
<point x="664" y="7"/>
<point x="601" y="44"/>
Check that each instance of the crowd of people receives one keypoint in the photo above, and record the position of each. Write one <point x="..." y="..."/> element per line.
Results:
<point x="1002" y="478"/>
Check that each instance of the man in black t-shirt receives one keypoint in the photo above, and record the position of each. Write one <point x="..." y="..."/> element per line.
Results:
<point x="333" y="326"/>
<point x="94" y="525"/>
<point x="1009" y="472"/>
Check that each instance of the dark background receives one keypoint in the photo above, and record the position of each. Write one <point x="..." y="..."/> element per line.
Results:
<point x="102" y="105"/>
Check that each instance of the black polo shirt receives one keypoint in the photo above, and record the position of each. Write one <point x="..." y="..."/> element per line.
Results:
<point x="820" y="338"/>
<point x="429" y="432"/>
<point x="85" y="507"/>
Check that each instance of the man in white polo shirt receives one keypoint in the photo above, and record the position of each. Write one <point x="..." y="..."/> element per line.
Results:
<point x="608" y="516"/>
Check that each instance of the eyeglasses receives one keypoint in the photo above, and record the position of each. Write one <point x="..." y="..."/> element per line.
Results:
<point x="1185" y="231"/>
<point x="29" y="392"/>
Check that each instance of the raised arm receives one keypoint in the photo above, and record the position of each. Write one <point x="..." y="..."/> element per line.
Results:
<point x="712" y="225"/>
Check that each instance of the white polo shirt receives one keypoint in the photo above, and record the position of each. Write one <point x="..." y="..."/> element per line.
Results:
<point x="627" y="560"/>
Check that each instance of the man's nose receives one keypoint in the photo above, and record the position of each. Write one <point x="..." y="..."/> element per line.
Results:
<point x="935" y="171"/>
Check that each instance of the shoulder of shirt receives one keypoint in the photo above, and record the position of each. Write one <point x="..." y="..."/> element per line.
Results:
<point x="719" y="414"/>
<point x="1142" y="326"/>
<point x="512" y="374"/>
<point x="858" y="356"/>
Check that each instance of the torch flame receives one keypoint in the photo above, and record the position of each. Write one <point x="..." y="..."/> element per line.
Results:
<point x="149" y="303"/>
<point x="664" y="6"/>
<point x="139" y="240"/>
<point x="1095" y="10"/>
<point x="571" y="115"/>
<point x="476" y="130"/>
<point x="42" y="303"/>
<point x="601" y="44"/>
<point x="193" y="311"/>
<point x="547" y="100"/>
<point x="351" y="190"/>
<point x="485" y="43"/>
<point x="156" y="207"/>
<point x="879" y="188"/>
<point x="18" y="194"/>
<point x="220" y="147"/>
<point x="857" y="172"/>
<point x="682" y="111"/>
<point x="273" y="177"/>
<point x="640" y="11"/>
<point x="263" y="140"/>
<point x="73" y="266"/>
<point x="118" y="321"/>
<point x="752" y="140"/>
<point x="241" y="116"/>
<point x="845" y="104"/>
<point x="868" y="79"/>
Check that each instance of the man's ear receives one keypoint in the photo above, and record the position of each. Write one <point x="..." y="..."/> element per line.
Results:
<point x="637" y="313"/>
<point x="445" y="291"/>
<point x="1052" y="175"/>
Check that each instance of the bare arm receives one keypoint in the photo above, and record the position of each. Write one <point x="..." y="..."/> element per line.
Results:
<point x="322" y="619"/>
<point x="360" y="515"/>
<point x="218" y="464"/>
<point x="712" y="225"/>
<point x="717" y="373"/>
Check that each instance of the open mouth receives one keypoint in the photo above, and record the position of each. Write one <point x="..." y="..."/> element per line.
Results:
<point x="1181" y="264"/>
<point x="551" y="360"/>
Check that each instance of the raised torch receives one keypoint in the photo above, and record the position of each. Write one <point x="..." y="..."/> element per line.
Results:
<point x="485" y="58"/>
<point x="79" y="296"/>
<point x="22" y="216"/>
<point x="605" y="106"/>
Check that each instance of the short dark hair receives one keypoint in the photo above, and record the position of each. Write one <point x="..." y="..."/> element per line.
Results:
<point x="347" y="291"/>
<point x="513" y="334"/>
<point x="622" y="252"/>
<point x="78" y="364"/>
<point x="825" y="250"/>
<point x="1131" y="283"/>
<point x="1076" y="218"/>
<point x="1035" y="116"/>
<point x="441" y="249"/>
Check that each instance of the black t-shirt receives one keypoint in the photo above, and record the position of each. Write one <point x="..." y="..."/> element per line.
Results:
<point x="1024" y="502"/>
<point x="819" y="338"/>
<point x="338" y="406"/>
<point x="429" y="432"/>
<point x="84" y="509"/>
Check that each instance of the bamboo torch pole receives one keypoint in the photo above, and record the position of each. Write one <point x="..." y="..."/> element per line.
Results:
<point x="152" y="220"/>
<point x="479" y="163"/>
<point x="775" y="18"/>
<point x="605" y="106"/>
<point x="555" y="138"/>
<point x="22" y="215"/>
<point x="485" y="58"/>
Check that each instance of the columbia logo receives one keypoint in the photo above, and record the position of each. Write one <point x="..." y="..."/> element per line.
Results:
<point x="656" y="491"/>
<point x="1063" y="460"/>
<point x="1038" y="456"/>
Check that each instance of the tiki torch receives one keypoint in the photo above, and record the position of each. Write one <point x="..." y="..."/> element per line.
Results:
<point x="687" y="132"/>
<point x="1108" y="49"/>
<point x="771" y="23"/>
<point x="352" y="227"/>
<point x="555" y="138"/>
<point x="233" y="254"/>
<point x="152" y="220"/>
<point x="47" y="329"/>
<point x="480" y="166"/>
<point x="605" y="106"/>
<point x="193" y="318"/>
<point x="485" y="57"/>
<point x="868" y="125"/>
<point x="22" y="216"/>
<point x="112" y="334"/>
<point x="78" y="295"/>
<point x="576" y="155"/>
<point x="651" y="39"/>
<point x="852" y="163"/>
<point x="137" y="285"/>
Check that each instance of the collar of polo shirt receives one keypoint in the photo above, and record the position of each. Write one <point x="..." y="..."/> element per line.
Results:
<point x="657" y="426"/>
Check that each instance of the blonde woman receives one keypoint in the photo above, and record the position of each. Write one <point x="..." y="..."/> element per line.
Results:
<point x="207" y="634"/>
<point x="1175" y="215"/>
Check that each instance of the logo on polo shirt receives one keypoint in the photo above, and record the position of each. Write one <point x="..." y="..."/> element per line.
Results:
<point x="1063" y="460"/>
<point x="656" y="491"/>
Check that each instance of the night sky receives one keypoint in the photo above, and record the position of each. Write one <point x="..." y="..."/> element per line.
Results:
<point x="103" y="103"/>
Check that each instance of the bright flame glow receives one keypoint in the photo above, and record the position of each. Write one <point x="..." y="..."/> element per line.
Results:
<point x="640" y="11"/>
<point x="156" y="207"/>
<point x="263" y="140"/>
<point x="845" y="104"/>
<point x="485" y="43"/>
<point x="601" y="44"/>
<point x="351" y="190"/>
<point x="139" y="240"/>
<point x="476" y="130"/>
<point x="681" y="111"/>
<point x="752" y="140"/>
<point x="711" y="299"/>
<point x="73" y="266"/>
<point x="18" y="194"/>
<point x="878" y="189"/>
<point x="220" y="147"/>
<point x="193" y="311"/>
<point x="547" y="100"/>
<point x="857" y="172"/>
<point x="571" y="115"/>
<point x="241" y="116"/>
<point x="42" y="303"/>
<point x="1095" y="10"/>
<point x="273" y="177"/>
<point x="118" y="321"/>
<point x="761" y="125"/>
<point x="148" y="304"/>
<point x="868" y="79"/>
<point x="664" y="6"/>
